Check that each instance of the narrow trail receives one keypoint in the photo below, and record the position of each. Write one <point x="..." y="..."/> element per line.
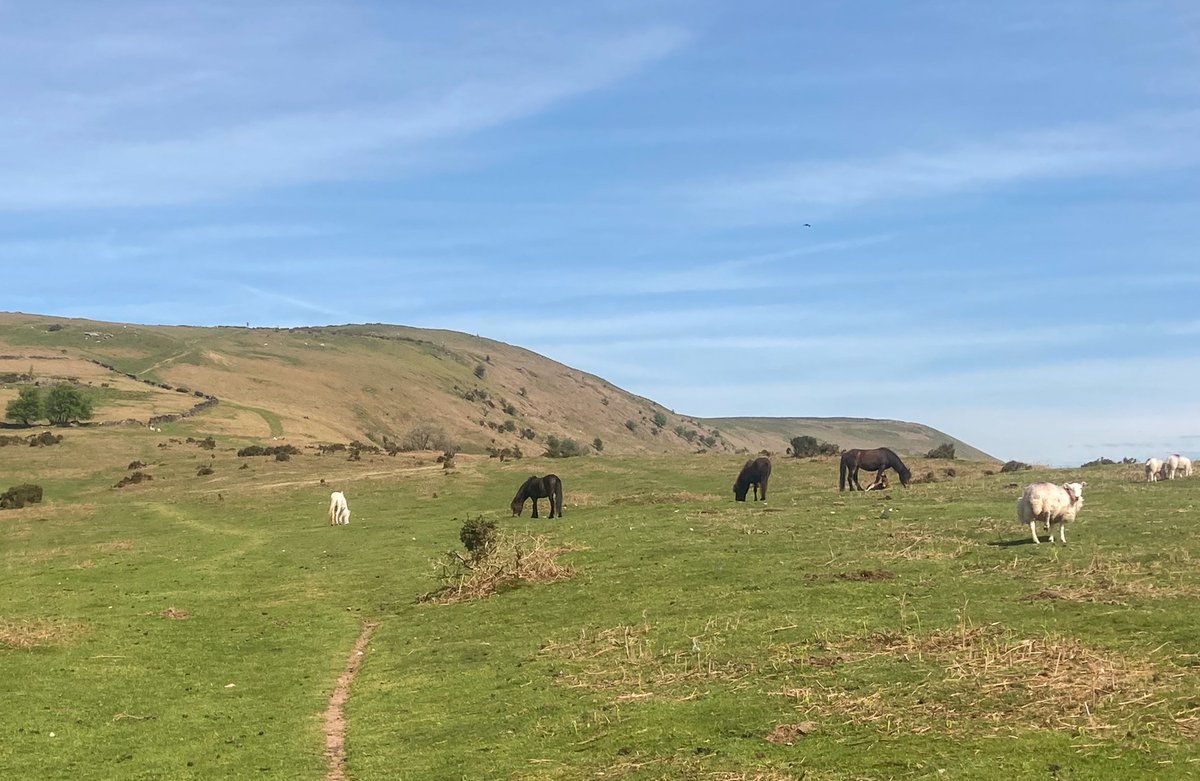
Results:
<point x="335" y="717"/>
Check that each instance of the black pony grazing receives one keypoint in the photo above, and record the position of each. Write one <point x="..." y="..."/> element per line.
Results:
<point x="876" y="460"/>
<point x="755" y="473"/>
<point x="536" y="488"/>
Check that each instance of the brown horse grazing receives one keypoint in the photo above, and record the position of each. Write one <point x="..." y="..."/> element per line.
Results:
<point x="876" y="460"/>
<point x="535" y="488"/>
<point x="755" y="473"/>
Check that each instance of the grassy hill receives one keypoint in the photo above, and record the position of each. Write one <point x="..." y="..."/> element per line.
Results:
<point x="377" y="382"/>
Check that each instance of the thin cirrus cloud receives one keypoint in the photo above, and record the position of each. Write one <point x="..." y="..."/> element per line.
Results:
<point x="248" y="150"/>
<point x="1150" y="142"/>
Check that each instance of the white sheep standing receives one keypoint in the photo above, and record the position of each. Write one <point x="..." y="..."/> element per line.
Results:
<point x="339" y="510"/>
<point x="1154" y="468"/>
<point x="1050" y="503"/>
<point x="1177" y="466"/>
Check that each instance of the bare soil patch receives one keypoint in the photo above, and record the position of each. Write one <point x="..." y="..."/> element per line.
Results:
<point x="788" y="734"/>
<point x="859" y="576"/>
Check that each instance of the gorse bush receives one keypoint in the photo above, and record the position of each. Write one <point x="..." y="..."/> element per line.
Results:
<point x="20" y="495"/>
<point x="805" y="446"/>
<point x="564" y="448"/>
<point x="133" y="479"/>
<point x="1015" y="466"/>
<point x="277" y="450"/>
<point x="478" y="536"/>
<point x="944" y="450"/>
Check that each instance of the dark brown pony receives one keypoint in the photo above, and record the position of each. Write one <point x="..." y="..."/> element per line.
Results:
<point x="876" y="460"/>
<point x="549" y="487"/>
<point x="755" y="473"/>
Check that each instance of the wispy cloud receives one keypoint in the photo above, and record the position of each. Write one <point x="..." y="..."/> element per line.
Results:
<point x="194" y="132"/>
<point x="1133" y="144"/>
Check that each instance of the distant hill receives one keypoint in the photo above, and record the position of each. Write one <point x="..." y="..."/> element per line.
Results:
<point x="905" y="438"/>
<point x="377" y="382"/>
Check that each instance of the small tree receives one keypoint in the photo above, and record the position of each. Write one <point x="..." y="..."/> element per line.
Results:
<point x="27" y="407"/>
<point x="65" y="404"/>
<point x="480" y="370"/>
<point x="660" y="419"/>
<point x="944" y="450"/>
<point x="806" y="446"/>
<point x="427" y="436"/>
<point x="598" y="444"/>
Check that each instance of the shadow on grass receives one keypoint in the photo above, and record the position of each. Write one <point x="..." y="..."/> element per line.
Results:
<point x="1011" y="543"/>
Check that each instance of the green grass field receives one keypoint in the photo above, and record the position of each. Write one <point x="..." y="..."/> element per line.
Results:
<point x="194" y="627"/>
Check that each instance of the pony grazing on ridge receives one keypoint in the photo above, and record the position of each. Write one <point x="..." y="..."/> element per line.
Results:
<point x="756" y="473"/>
<point x="876" y="460"/>
<point x="535" y="488"/>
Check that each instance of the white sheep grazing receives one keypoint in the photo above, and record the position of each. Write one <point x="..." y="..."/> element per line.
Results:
<point x="1050" y="503"/>
<point x="1154" y="468"/>
<point x="339" y="510"/>
<point x="1177" y="466"/>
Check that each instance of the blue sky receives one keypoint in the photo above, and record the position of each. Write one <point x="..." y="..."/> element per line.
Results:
<point x="1003" y="197"/>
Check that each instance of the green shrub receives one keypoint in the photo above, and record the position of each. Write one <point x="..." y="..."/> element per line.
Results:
<point x="564" y="448"/>
<point x="806" y="447"/>
<point x="478" y="536"/>
<point x="659" y="419"/>
<point x="132" y="479"/>
<point x="20" y="495"/>
<point x="598" y="444"/>
<point x="944" y="450"/>
<point x="1015" y="466"/>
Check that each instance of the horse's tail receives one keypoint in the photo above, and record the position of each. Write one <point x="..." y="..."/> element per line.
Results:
<point x="558" y="496"/>
<point x="842" y="473"/>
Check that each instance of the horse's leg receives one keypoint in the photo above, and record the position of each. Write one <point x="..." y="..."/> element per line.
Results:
<point x="535" y="514"/>
<point x="764" y="488"/>
<point x="854" y="484"/>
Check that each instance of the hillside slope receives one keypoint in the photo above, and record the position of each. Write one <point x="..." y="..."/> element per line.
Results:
<point x="376" y="382"/>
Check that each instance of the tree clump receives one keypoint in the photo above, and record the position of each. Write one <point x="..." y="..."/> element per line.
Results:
<point x="564" y="448"/>
<point x="808" y="447"/>
<point x="427" y="436"/>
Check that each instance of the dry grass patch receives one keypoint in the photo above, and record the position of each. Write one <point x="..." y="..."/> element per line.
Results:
<point x="38" y="634"/>
<point x="990" y="678"/>
<point x="1113" y="581"/>
<point x="632" y="665"/>
<point x="175" y="614"/>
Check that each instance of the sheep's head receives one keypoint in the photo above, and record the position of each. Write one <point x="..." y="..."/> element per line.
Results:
<point x="1075" y="491"/>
